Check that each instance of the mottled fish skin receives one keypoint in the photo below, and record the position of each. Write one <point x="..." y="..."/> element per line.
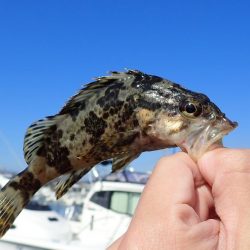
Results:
<point x="118" y="117"/>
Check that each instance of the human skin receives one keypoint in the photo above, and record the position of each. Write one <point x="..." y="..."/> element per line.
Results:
<point x="178" y="204"/>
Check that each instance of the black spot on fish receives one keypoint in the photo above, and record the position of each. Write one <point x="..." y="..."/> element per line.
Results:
<point x="105" y="115"/>
<point x="106" y="107"/>
<point x="101" y="101"/>
<point x="27" y="185"/>
<point x="135" y="122"/>
<point x="56" y="135"/>
<point x="53" y="128"/>
<point x="72" y="137"/>
<point x="171" y="109"/>
<point x="145" y="82"/>
<point x="41" y="151"/>
<point x="115" y="88"/>
<point x="118" y="105"/>
<point x="55" y="154"/>
<point x="73" y="109"/>
<point x="112" y="111"/>
<point x="111" y="95"/>
<point x="14" y="185"/>
<point x="127" y="112"/>
<point x="95" y="126"/>
<point x="47" y="140"/>
<point x="149" y="105"/>
<point x="57" y="157"/>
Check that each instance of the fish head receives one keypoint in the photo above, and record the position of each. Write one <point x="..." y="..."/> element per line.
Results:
<point x="188" y="120"/>
<point x="206" y="126"/>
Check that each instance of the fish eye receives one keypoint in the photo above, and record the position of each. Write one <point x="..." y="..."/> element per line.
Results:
<point x="191" y="109"/>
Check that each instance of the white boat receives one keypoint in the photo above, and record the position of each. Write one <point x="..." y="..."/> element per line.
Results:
<point x="108" y="209"/>
<point x="38" y="227"/>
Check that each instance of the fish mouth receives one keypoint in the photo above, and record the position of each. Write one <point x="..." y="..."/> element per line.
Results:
<point x="207" y="138"/>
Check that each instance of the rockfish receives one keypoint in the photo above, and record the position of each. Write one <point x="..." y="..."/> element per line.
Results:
<point x="115" y="117"/>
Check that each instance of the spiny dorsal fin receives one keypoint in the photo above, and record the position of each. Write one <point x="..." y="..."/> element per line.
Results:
<point x="67" y="181"/>
<point x="123" y="160"/>
<point x="90" y="88"/>
<point x="35" y="135"/>
<point x="104" y="81"/>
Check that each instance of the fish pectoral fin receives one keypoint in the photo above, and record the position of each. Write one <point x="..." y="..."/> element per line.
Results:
<point x="123" y="160"/>
<point x="68" y="180"/>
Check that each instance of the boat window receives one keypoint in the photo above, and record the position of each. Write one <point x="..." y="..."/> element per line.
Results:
<point x="124" y="202"/>
<point x="101" y="198"/>
<point x="118" y="201"/>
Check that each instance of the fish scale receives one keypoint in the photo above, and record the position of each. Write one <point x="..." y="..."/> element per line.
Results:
<point x="115" y="117"/>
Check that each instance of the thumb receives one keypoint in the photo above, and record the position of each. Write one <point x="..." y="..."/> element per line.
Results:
<point x="211" y="163"/>
<point x="222" y="161"/>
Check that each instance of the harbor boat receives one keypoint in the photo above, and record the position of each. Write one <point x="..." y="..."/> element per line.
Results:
<point x="38" y="227"/>
<point x="108" y="209"/>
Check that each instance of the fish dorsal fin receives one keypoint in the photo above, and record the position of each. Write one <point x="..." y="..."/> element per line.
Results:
<point x="123" y="160"/>
<point x="104" y="81"/>
<point x="35" y="135"/>
<point x="68" y="180"/>
<point x="91" y="88"/>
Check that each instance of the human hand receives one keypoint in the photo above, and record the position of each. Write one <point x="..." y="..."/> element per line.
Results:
<point x="227" y="171"/>
<point x="173" y="212"/>
<point x="176" y="210"/>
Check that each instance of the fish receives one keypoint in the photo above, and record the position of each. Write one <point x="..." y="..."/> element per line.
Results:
<point x="116" y="117"/>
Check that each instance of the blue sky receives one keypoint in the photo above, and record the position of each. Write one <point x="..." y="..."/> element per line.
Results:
<point x="48" y="49"/>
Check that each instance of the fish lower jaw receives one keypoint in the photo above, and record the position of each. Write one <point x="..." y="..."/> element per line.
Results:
<point x="197" y="147"/>
<point x="193" y="152"/>
<point x="197" y="150"/>
<point x="207" y="138"/>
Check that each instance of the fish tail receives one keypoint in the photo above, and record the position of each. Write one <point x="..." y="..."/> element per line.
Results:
<point x="14" y="196"/>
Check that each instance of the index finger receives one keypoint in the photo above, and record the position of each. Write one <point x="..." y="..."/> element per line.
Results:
<point x="171" y="183"/>
<point x="173" y="180"/>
